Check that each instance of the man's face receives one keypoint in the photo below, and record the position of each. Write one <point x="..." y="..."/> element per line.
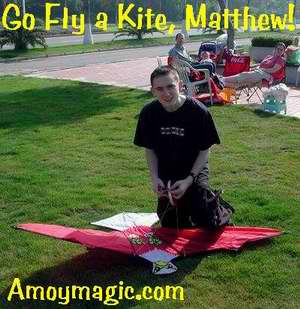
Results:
<point x="180" y="39"/>
<point x="166" y="89"/>
<point x="279" y="50"/>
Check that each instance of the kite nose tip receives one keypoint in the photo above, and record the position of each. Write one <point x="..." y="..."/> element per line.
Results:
<point x="163" y="268"/>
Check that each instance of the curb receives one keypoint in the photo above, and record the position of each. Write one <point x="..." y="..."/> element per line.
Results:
<point x="19" y="59"/>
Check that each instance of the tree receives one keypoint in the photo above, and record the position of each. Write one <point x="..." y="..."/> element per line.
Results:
<point x="129" y="30"/>
<point x="88" y="36"/>
<point x="116" y="12"/>
<point x="230" y="30"/>
<point x="183" y="19"/>
<point x="22" y="38"/>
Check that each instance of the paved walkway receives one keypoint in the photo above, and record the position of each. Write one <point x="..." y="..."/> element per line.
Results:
<point x="135" y="74"/>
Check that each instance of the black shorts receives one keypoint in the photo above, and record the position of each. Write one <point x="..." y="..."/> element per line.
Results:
<point x="199" y="207"/>
<point x="191" y="205"/>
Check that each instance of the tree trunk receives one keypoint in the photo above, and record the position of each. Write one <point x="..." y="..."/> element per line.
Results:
<point x="88" y="37"/>
<point x="183" y="21"/>
<point x="116" y="12"/>
<point x="140" y="35"/>
<point x="230" y="31"/>
<point x="20" y="43"/>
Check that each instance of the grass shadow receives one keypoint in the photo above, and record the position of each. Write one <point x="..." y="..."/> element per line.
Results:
<point x="252" y="246"/>
<point x="264" y="114"/>
<point x="66" y="102"/>
<point x="98" y="268"/>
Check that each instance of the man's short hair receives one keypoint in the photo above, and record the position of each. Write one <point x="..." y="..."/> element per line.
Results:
<point x="178" y="34"/>
<point x="163" y="71"/>
<point x="280" y="44"/>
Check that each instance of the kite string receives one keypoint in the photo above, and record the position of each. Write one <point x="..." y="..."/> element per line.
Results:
<point x="170" y="205"/>
<point x="131" y="244"/>
<point x="154" y="229"/>
<point x="177" y="222"/>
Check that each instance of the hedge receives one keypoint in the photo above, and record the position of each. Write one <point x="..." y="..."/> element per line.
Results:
<point x="263" y="41"/>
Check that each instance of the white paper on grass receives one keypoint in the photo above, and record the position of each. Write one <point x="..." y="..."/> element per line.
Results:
<point x="158" y="255"/>
<point x="125" y="220"/>
<point x="161" y="261"/>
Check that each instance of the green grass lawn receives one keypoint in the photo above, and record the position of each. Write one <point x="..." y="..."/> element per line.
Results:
<point x="67" y="158"/>
<point x="118" y="44"/>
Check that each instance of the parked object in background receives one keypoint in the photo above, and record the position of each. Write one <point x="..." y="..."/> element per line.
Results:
<point x="275" y="98"/>
<point x="272" y="105"/>
<point x="221" y="41"/>
<point x="293" y="55"/>
<point x="278" y="92"/>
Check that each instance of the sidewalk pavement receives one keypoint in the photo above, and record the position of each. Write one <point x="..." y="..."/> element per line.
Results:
<point x="136" y="74"/>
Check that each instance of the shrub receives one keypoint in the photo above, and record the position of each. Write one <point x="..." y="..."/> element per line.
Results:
<point x="263" y="41"/>
<point x="22" y="38"/>
<point x="131" y="31"/>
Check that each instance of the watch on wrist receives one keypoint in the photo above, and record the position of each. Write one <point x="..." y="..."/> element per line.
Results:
<point x="193" y="175"/>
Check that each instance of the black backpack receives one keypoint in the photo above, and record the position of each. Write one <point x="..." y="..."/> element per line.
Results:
<point x="218" y="212"/>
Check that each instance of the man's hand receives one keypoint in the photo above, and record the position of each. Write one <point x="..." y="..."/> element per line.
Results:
<point x="179" y="187"/>
<point x="159" y="187"/>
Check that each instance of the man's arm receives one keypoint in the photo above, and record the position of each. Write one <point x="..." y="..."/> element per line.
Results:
<point x="157" y="184"/>
<point x="200" y="161"/>
<point x="275" y="68"/>
<point x="179" y="187"/>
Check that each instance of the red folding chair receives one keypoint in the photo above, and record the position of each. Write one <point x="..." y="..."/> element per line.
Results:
<point x="236" y="64"/>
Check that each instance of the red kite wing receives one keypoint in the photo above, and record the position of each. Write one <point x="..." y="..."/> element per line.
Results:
<point x="159" y="246"/>
<point x="191" y="241"/>
<point x="140" y="239"/>
<point x="116" y="241"/>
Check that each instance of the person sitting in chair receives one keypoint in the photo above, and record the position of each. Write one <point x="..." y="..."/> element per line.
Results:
<point x="180" y="52"/>
<point x="205" y="59"/>
<point x="270" y="69"/>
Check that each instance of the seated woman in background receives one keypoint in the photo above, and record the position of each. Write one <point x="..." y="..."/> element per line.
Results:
<point x="270" y="69"/>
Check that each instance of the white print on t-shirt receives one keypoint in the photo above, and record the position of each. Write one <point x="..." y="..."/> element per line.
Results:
<point x="172" y="131"/>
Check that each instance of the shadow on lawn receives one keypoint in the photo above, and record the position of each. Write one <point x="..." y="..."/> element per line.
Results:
<point x="264" y="114"/>
<point x="102" y="268"/>
<point x="63" y="104"/>
<point x="106" y="268"/>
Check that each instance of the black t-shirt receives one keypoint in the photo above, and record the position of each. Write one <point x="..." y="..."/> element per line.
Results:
<point x="176" y="137"/>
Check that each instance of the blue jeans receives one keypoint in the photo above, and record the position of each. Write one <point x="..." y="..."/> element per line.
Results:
<point x="211" y="67"/>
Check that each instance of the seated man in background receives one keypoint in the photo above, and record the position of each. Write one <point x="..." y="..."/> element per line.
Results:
<point x="180" y="52"/>
<point x="270" y="69"/>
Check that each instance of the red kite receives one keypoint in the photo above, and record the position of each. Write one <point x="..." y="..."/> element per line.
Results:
<point x="157" y="245"/>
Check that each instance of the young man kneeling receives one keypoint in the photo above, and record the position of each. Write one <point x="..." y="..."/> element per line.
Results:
<point x="176" y="132"/>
